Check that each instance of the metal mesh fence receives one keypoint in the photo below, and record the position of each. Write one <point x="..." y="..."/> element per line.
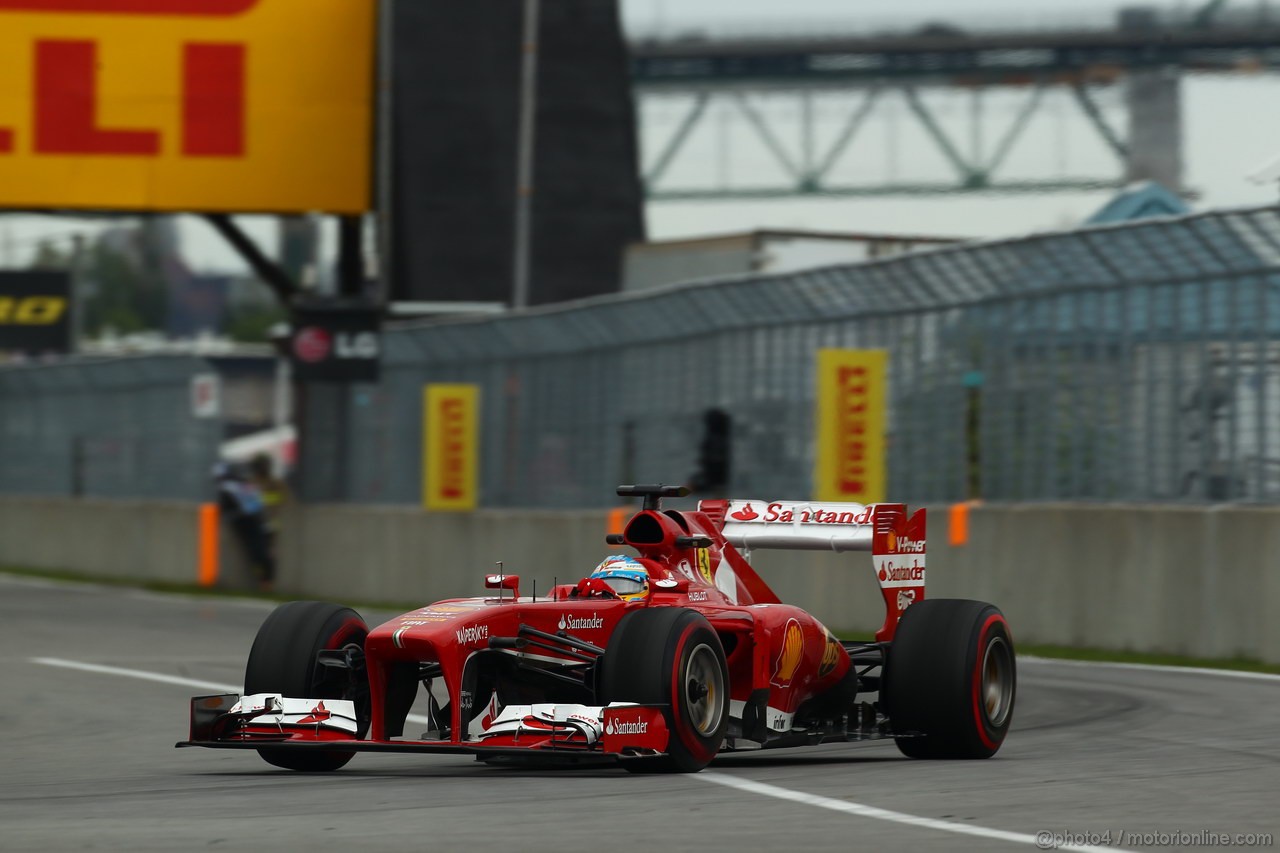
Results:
<point x="1129" y="362"/>
<point x="118" y="428"/>
<point x="1136" y="362"/>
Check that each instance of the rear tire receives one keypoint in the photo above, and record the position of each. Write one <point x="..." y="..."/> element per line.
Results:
<point x="672" y="657"/>
<point x="950" y="676"/>
<point x="283" y="660"/>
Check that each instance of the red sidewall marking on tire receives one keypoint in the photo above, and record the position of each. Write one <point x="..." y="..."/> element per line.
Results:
<point x="347" y="631"/>
<point x="979" y="718"/>
<point x="344" y="631"/>
<point x="693" y="743"/>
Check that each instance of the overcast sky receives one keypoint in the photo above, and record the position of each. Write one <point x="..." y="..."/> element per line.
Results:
<point x="1231" y="128"/>
<point x="647" y="15"/>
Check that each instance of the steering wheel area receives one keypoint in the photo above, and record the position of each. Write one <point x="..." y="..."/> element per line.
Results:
<point x="590" y="587"/>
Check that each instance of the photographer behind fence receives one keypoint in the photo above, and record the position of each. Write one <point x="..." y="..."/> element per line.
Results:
<point x="241" y="503"/>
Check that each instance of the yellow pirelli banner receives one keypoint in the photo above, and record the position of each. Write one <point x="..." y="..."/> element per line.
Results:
<point x="850" y="463"/>
<point x="187" y="105"/>
<point x="450" y="446"/>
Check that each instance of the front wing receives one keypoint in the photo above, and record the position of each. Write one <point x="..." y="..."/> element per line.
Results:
<point x="614" y="732"/>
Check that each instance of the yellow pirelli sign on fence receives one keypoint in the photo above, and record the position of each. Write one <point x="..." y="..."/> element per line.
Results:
<point x="850" y="420"/>
<point x="187" y="105"/>
<point x="450" y="447"/>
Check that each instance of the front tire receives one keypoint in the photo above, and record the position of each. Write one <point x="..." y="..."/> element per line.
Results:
<point x="283" y="660"/>
<point x="672" y="657"/>
<point x="950" y="676"/>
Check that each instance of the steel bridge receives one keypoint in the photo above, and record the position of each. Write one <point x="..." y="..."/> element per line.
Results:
<point x="770" y="87"/>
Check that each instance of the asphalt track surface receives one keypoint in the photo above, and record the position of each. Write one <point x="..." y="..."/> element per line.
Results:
<point x="90" y="764"/>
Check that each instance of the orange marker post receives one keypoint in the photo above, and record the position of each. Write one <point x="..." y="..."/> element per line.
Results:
<point x="958" y="532"/>
<point x="617" y="518"/>
<point x="207" y="545"/>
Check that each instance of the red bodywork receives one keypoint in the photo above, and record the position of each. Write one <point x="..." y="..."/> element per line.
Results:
<point x="778" y="656"/>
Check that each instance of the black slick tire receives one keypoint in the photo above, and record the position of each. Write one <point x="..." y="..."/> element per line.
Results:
<point x="950" y="679"/>
<point x="671" y="656"/>
<point x="283" y="660"/>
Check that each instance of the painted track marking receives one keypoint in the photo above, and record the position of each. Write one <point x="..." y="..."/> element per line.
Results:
<point x="140" y="674"/>
<point x="860" y="810"/>
<point x="160" y="677"/>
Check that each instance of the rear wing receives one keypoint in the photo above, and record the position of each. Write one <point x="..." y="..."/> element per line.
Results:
<point x="896" y="541"/>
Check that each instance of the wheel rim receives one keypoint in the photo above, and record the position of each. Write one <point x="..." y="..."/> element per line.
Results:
<point x="997" y="682"/>
<point x="704" y="690"/>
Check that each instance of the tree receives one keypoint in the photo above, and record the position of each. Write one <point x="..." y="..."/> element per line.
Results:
<point x="50" y="257"/>
<point x="252" y="324"/>
<point x="119" y="295"/>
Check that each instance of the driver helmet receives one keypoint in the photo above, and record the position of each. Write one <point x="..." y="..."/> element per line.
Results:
<point x="626" y="576"/>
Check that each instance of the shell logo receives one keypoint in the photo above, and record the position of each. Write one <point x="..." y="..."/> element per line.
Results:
<point x="892" y="542"/>
<point x="791" y="655"/>
<point x="450" y="608"/>
<point x="830" y="657"/>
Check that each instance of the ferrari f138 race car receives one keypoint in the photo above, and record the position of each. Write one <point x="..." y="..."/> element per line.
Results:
<point x="658" y="661"/>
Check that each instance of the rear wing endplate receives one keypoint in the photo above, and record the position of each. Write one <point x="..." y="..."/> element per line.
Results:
<point x="896" y="541"/>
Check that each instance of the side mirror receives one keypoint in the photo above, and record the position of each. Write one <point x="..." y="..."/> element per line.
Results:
<point x="511" y="582"/>
<point x="680" y="585"/>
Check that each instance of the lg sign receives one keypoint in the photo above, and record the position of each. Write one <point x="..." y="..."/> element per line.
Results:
<point x="186" y="104"/>
<point x="313" y="345"/>
<point x="337" y="342"/>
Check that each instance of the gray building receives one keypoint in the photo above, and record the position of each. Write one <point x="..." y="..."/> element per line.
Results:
<point x="764" y="251"/>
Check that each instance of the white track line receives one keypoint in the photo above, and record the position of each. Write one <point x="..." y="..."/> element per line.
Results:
<point x="139" y="674"/>
<point x="860" y="810"/>
<point x="143" y="675"/>
<point x="1155" y="667"/>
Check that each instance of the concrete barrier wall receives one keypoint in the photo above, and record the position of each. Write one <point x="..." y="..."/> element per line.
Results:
<point x="382" y="553"/>
<point x="1199" y="581"/>
<point x="140" y="540"/>
<point x="1196" y="581"/>
<point x="132" y="539"/>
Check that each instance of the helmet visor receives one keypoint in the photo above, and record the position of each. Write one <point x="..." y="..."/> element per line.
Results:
<point x="626" y="586"/>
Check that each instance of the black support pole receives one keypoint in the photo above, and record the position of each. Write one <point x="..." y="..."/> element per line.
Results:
<point x="350" y="257"/>
<point x="271" y="273"/>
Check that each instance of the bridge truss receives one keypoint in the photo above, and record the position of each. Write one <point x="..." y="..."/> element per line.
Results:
<point x="1119" y="87"/>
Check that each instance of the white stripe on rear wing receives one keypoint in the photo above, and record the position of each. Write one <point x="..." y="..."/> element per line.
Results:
<point x="794" y="525"/>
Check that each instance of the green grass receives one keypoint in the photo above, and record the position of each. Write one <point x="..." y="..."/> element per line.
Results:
<point x="1062" y="652"/>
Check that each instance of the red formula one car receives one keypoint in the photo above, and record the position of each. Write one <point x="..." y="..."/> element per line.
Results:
<point x="658" y="661"/>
